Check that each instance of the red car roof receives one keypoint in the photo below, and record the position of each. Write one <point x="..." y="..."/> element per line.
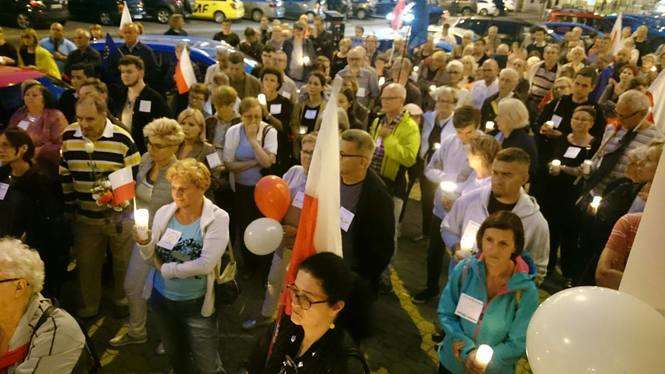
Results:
<point x="570" y="13"/>
<point x="10" y="75"/>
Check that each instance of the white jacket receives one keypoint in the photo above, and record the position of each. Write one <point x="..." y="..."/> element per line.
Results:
<point x="429" y="119"/>
<point x="215" y="232"/>
<point x="473" y="207"/>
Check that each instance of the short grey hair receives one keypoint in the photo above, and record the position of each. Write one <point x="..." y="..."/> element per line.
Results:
<point x="635" y="99"/>
<point x="17" y="260"/>
<point x="510" y="71"/>
<point x="445" y="90"/>
<point x="401" y="90"/>
<point x="361" y="139"/>
<point x="455" y="64"/>
<point x="516" y="112"/>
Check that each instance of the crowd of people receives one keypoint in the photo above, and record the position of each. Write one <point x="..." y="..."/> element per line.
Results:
<point x="534" y="161"/>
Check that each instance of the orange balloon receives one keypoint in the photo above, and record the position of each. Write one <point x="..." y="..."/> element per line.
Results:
<point x="272" y="196"/>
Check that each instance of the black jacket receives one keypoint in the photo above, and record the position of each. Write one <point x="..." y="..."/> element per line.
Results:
<point x="374" y="240"/>
<point x="158" y="109"/>
<point x="324" y="44"/>
<point x="307" y="51"/>
<point x="153" y="70"/>
<point x="67" y="105"/>
<point x="88" y="56"/>
<point x="520" y="138"/>
<point x="334" y="353"/>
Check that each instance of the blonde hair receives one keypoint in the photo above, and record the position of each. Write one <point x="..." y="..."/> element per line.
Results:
<point x="17" y="260"/>
<point x="198" y="118"/>
<point x="191" y="170"/>
<point x="165" y="129"/>
<point x="515" y="111"/>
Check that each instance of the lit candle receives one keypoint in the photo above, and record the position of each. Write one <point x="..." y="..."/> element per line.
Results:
<point x="262" y="99"/>
<point x="302" y="130"/>
<point x="141" y="218"/>
<point x="416" y="68"/>
<point x="382" y="80"/>
<point x="448" y="186"/>
<point x="437" y="146"/>
<point x="586" y="167"/>
<point x="89" y="147"/>
<point x="305" y="60"/>
<point x="466" y="244"/>
<point x="489" y="125"/>
<point x="549" y="125"/>
<point x="484" y="355"/>
<point x="555" y="167"/>
<point x="595" y="203"/>
<point x="432" y="88"/>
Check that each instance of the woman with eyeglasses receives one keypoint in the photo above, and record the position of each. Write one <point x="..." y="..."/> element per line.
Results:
<point x="249" y="147"/>
<point x="328" y="310"/>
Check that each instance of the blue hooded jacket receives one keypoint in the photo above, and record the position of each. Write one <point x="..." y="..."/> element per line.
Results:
<point x="503" y="321"/>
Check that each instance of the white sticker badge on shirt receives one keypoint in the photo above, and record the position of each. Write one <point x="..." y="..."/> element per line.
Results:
<point x="310" y="113"/>
<point x="4" y="187"/>
<point x="275" y="108"/>
<point x="361" y="92"/>
<point x="145" y="106"/>
<point x="556" y="120"/>
<point x="299" y="200"/>
<point x="213" y="160"/>
<point x="286" y="94"/>
<point x="345" y="218"/>
<point x="23" y="125"/>
<point x="469" y="308"/>
<point x="572" y="152"/>
<point x="169" y="239"/>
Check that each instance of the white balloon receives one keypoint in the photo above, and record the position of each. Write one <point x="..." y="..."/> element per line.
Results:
<point x="596" y="330"/>
<point x="263" y="236"/>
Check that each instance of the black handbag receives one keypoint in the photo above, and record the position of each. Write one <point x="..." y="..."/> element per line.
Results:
<point x="227" y="289"/>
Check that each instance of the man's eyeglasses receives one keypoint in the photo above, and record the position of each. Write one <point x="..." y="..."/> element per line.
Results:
<point x="621" y="116"/>
<point x="347" y="155"/>
<point x="9" y="280"/>
<point x="301" y="299"/>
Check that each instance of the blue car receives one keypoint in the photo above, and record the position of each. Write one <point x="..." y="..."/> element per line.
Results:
<point x="202" y="50"/>
<point x="561" y="28"/>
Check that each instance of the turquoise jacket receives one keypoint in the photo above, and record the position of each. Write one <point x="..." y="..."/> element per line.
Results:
<point x="503" y="322"/>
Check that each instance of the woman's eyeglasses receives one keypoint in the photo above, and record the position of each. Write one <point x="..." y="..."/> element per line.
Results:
<point x="301" y="299"/>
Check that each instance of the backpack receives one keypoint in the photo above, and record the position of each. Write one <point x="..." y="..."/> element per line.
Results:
<point x="88" y="362"/>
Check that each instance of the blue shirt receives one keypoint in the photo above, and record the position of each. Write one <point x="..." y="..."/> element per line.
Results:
<point x="65" y="47"/>
<point x="189" y="248"/>
<point x="245" y="152"/>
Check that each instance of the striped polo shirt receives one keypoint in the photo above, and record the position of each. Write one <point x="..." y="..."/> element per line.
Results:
<point x="613" y="136"/>
<point x="113" y="151"/>
<point x="542" y="81"/>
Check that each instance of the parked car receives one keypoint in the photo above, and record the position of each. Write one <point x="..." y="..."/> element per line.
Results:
<point x="383" y="7"/>
<point x="464" y="7"/>
<point x="576" y="15"/>
<point x="106" y="12"/>
<point x="161" y="10"/>
<point x="255" y="9"/>
<point x="362" y="9"/>
<point x="510" y="29"/>
<point x="561" y="28"/>
<point x="10" y="88"/>
<point x="30" y="13"/>
<point x="202" y="50"/>
<point x="217" y="10"/>
<point x="487" y="8"/>
<point x="295" y="8"/>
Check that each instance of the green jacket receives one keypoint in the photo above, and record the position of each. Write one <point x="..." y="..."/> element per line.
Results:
<point x="400" y="148"/>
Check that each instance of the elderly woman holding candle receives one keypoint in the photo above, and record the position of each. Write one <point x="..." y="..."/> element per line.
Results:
<point x="185" y="247"/>
<point x="512" y="120"/>
<point x="153" y="191"/>
<point x="489" y="299"/>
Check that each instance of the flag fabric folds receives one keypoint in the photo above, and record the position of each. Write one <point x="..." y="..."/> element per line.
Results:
<point x="122" y="183"/>
<point x="615" y="35"/>
<point x="319" y="226"/>
<point x="657" y="91"/>
<point x="126" y="17"/>
<point x="396" y="22"/>
<point x="184" y="72"/>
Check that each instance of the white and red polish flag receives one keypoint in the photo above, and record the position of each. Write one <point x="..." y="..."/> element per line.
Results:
<point x="615" y="35"/>
<point x="122" y="184"/>
<point x="184" y="72"/>
<point x="319" y="226"/>
<point x="657" y="92"/>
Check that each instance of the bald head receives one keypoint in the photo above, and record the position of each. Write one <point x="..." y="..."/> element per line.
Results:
<point x="490" y="70"/>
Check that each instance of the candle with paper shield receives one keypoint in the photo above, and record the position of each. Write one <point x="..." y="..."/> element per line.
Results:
<point x="555" y="167"/>
<point x="306" y="60"/>
<point x="432" y="88"/>
<point x="549" y="125"/>
<point x="595" y="203"/>
<point x="484" y="355"/>
<point x="382" y="80"/>
<point x="141" y="219"/>
<point x="586" y="167"/>
<point x="89" y="146"/>
<point x="262" y="99"/>
<point x="489" y="125"/>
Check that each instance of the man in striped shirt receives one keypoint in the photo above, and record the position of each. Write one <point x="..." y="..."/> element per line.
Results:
<point x="543" y="74"/>
<point x="92" y="148"/>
